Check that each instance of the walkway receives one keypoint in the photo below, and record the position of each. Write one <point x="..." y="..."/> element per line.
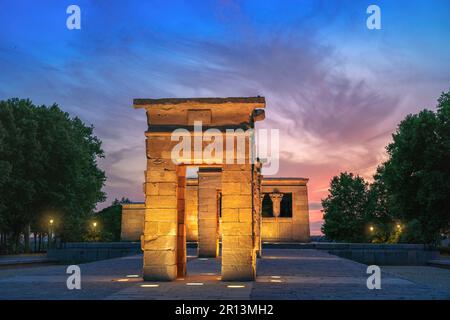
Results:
<point x="282" y="274"/>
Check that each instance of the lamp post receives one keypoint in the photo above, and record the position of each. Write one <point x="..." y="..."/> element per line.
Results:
<point x="94" y="225"/>
<point x="50" y="233"/>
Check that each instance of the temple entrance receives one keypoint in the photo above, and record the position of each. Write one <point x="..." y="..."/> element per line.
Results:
<point x="233" y="175"/>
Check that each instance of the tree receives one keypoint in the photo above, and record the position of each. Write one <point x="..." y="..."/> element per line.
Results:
<point x="345" y="209"/>
<point x="417" y="174"/>
<point x="378" y="214"/>
<point x="51" y="169"/>
<point x="110" y="220"/>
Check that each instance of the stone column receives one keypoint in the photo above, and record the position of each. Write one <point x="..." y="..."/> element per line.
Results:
<point x="238" y="253"/>
<point x="159" y="240"/>
<point x="300" y="214"/>
<point x="276" y="201"/>
<point x="257" y="207"/>
<point x="181" y="222"/>
<point x="209" y="184"/>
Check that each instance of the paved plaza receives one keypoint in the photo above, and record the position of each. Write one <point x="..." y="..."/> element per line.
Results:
<point x="282" y="274"/>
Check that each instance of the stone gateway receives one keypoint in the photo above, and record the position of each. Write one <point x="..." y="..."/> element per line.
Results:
<point x="228" y="201"/>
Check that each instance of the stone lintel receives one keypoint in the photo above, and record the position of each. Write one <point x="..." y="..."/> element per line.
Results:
<point x="209" y="170"/>
<point x="166" y="115"/>
<point x="284" y="181"/>
<point x="145" y="103"/>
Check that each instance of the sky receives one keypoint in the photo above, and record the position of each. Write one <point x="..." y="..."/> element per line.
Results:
<point x="335" y="89"/>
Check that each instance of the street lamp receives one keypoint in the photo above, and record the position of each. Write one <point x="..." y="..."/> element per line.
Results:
<point x="50" y="234"/>
<point x="371" y="229"/>
<point x="94" y="225"/>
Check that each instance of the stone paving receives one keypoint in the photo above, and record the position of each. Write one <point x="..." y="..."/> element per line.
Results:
<point x="282" y="274"/>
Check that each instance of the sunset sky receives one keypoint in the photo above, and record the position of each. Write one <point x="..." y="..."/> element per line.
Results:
<point x="334" y="89"/>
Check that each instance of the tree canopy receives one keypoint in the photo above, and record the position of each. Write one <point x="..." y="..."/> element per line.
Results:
<point x="417" y="174"/>
<point x="409" y="199"/>
<point x="48" y="169"/>
<point x="110" y="221"/>
<point x="345" y="208"/>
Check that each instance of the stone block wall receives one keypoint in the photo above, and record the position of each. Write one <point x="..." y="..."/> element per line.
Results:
<point x="272" y="229"/>
<point x="192" y="209"/>
<point x="133" y="215"/>
<point x="209" y="185"/>
<point x="295" y="228"/>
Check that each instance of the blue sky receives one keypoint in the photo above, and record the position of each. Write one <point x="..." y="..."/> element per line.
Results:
<point x="335" y="89"/>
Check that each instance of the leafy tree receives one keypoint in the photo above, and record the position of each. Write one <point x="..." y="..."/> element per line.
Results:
<point x="110" y="221"/>
<point x="345" y="209"/>
<point x="50" y="166"/>
<point x="378" y="212"/>
<point x="417" y="174"/>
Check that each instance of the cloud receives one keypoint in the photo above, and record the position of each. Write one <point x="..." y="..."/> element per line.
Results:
<point x="335" y="109"/>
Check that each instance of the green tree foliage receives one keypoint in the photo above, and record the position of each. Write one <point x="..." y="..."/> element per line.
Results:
<point x="409" y="200"/>
<point x="378" y="213"/>
<point x="48" y="168"/>
<point x="110" y="221"/>
<point x="345" y="209"/>
<point x="417" y="174"/>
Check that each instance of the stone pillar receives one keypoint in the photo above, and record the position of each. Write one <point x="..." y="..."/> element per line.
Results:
<point x="181" y="222"/>
<point x="159" y="240"/>
<point x="257" y="207"/>
<point x="209" y="185"/>
<point x="300" y="214"/>
<point x="238" y="248"/>
<point x="276" y="201"/>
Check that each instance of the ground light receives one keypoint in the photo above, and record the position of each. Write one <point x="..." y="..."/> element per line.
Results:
<point x="235" y="286"/>
<point x="194" y="283"/>
<point x="149" y="285"/>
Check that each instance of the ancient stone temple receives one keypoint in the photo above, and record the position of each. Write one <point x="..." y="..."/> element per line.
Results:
<point x="228" y="202"/>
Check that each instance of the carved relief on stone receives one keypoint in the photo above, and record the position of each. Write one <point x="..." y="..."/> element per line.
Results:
<point x="276" y="201"/>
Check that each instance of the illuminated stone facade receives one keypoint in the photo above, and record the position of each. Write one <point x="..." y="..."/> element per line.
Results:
<point x="228" y="201"/>
<point x="164" y="237"/>
<point x="289" y="227"/>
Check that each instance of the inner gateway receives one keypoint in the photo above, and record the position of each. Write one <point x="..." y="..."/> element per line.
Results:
<point x="223" y="202"/>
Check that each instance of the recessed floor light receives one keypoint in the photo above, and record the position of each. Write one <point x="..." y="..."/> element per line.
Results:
<point x="194" y="283"/>
<point x="132" y="276"/>
<point x="149" y="285"/>
<point x="122" y="280"/>
<point x="275" y="280"/>
<point x="275" y="277"/>
<point x="235" y="286"/>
